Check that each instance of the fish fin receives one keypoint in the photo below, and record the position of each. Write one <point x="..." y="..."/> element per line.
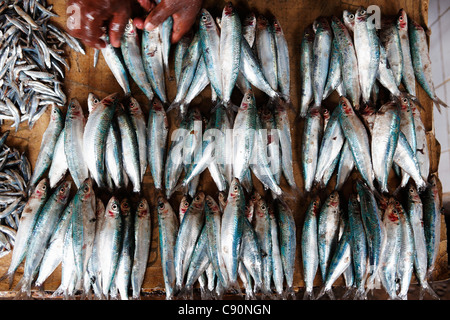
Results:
<point x="328" y="292"/>
<point x="350" y="291"/>
<point x="309" y="295"/>
<point x="426" y="288"/>
<point x="440" y="103"/>
<point x="10" y="276"/>
<point x="360" y="294"/>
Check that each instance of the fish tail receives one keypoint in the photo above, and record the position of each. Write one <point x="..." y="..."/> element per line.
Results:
<point x="309" y="295"/>
<point x="360" y="294"/>
<point x="426" y="288"/>
<point x="8" y="275"/>
<point x="348" y="293"/>
<point x="290" y="293"/>
<point x="439" y="103"/>
<point x="205" y="294"/>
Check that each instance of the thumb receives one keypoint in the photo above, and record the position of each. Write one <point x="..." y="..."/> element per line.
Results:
<point x="157" y="16"/>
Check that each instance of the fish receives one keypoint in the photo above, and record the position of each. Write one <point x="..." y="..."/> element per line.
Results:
<point x="168" y="226"/>
<point x="331" y="145"/>
<point x="334" y="78"/>
<point x="113" y="155"/>
<point x="188" y="234"/>
<point x="322" y="53"/>
<point x="359" y="246"/>
<point x="306" y="67"/>
<point x="328" y="232"/>
<point x="157" y="133"/>
<point x="180" y="50"/>
<point x="391" y="254"/>
<point x="367" y="48"/>
<point x="249" y="28"/>
<point x="229" y="49"/>
<point x="277" y="264"/>
<point x="244" y="135"/>
<point x="110" y="244"/>
<point x="154" y="60"/>
<point x="414" y="212"/>
<point x="142" y="244"/>
<point x="73" y="142"/>
<point x="421" y="61"/>
<point x="432" y="222"/>
<point x="210" y="44"/>
<point x="94" y="137"/>
<point x="115" y="61"/>
<point x="130" y="147"/>
<point x="312" y="135"/>
<point x="58" y="167"/>
<point x="266" y="49"/>
<point x="44" y="226"/>
<point x="358" y="138"/>
<point x="283" y="67"/>
<point x="350" y="73"/>
<point x="231" y="230"/>
<point x="408" y="75"/>
<point x="27" y="222"/>
<point x="384" y="142"/>
<point x="48" y="142"/>
<point x="390" y="41"/>
<point x="83" y="226"/>
<point x="288" y="243"/>
<point x="131" y="51"/>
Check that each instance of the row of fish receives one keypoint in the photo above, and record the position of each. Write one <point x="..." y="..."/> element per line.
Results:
<point x="372" y="242"/>
<point x="224" y="55"/>
<point x="354" y="58"/>
<point x="15" y="173"/>
<point x="102" y="250"/>
<point x="32" y="61"/>
<point x="217" y="243"/>
<point x="108" y="144"/>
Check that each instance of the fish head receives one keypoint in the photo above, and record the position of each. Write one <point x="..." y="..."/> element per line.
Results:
<point x="326" y="114"/>
<point x="361" y="15"/>
<point x="333" y="199"/>
<point x="261" y="22"/>
<point x="353" y="202"/>
<point x="412" y="24"/>
<point x="206" y="20"/>
<point x="262" y="209"/>
<point x="256" y="196"/>
<point x="86" y="189"/>
<point x="266" y="115"/>
<point x="130" y="29"/>
<point x="228" y="10"/>
<point x="247" y="100"/>
<point x="163" y="206"/>
<point x="315" y="205"/>
<point x="142" y="208"/>
<point x="314" y="112"/>
<point x="56" y="114"/>
<point x="402" y="20"/>
<point x="110" y="100"/>
<point x="235" y="191"/>
<point x="41" y="190"/>
<point x="250" y="20"/>
<point x="222" y="199"/>
<point x="93" y="101"/>
<point x="133" y="106"/>
<point x="433" y="181"/>
<point x="249" y="210"/>
<point x="277" y="26"/>
<point x="405" y="104"/>
<point x="63" y="191"/>
<point x="99" y="207"/>
<point x="113" y="208"/>
<point x="212" y="204"/>
<point x="413" y="195"/>
<point x="199" y="200"/>
<point x="125" y="209"/>
<point x="391" y="212"/>
<point x="321" y="25"/>
<point x="308" y="33"/>
<point x="184" y="205"/>
<point x="74" y="109"/>
<point x="349" y="18"/>
<point x="196" y="115"/>
<point x="346" y="106"/>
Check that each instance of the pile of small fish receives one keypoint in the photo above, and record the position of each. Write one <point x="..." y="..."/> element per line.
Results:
<point x="15" y="173"/>
<point x="218" y="242"/>
<point x="101" y="250"/>
<point x="372" y="242"/>
<point x="32" y="62"/>
<point x="373" y="136"/>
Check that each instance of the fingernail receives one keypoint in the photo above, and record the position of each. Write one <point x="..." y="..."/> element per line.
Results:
<point x="149" y="26"/>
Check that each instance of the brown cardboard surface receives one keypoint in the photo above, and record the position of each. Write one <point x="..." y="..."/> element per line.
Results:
<point x="293" y="16"/>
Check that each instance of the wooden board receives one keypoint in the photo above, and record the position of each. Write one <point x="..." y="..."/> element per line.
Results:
<point x="294" y="16"/>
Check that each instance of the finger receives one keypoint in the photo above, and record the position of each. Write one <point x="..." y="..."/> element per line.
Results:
<point x="157" y="16"/>
<point x="117" y="27"/>
<point x="147" y="5"/>
<point x="92" y="31"/>
<point x="139" y="22"/>
<point x="182" y="23"/>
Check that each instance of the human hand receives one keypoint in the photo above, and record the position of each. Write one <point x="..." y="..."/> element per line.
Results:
<point x="95" y="16"/>
<point x="184" y="13"/>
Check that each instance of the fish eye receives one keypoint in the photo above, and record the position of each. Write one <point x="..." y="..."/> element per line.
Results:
<point x="332" y="196"/>
<point x="235" y="188"/>
<point x="114" y="206"/>
<point x="363" y="11"/>
<point x="204" y="18"/>
<point x="401" y="18"/>
<point x="86" y="189"/>
<point x="44" y="187"/>
<point x="397" y="203"/>
<point x="263" y="207"/>
<point x="161" y="205"/>
<point x="186" y="204"/>
<point x="62" y="190"/>
<point x="197" y="198"/>
<point x="96" y="101"/>
<point x="351" y="16"/>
